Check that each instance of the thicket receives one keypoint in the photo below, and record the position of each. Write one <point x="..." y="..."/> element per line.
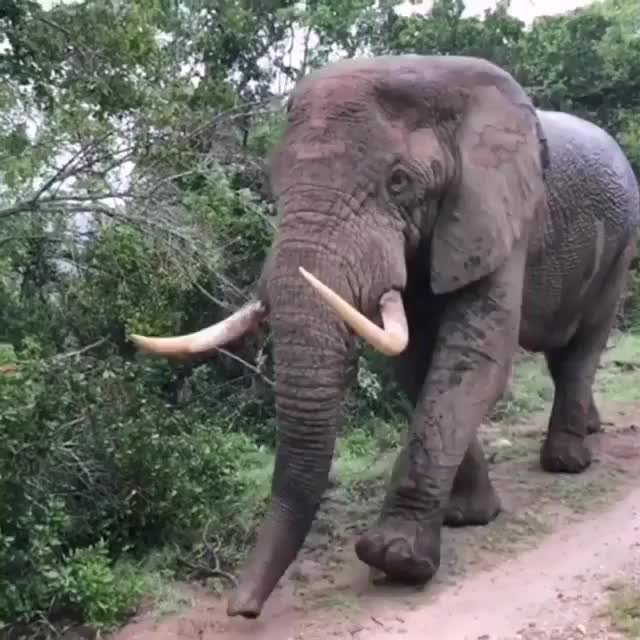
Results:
<point x="133" y="197"/>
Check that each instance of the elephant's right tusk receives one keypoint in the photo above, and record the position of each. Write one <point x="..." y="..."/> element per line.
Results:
<point x="236" y="325"/>
<point x="392" y="340"/>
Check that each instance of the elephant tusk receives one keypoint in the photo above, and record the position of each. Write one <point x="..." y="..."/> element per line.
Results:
<point x="236" y="325"/>
<point x="392" y="340"/>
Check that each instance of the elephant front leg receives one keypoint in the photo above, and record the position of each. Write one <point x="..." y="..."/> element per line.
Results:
<point x="476" y="342"/>
<point x="399" y="546"/>
<point x="405" y="542"/>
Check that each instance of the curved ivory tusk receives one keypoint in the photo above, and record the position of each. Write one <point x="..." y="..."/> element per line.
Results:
<point x="242" y="321"/>
<point x="391" y="340"/>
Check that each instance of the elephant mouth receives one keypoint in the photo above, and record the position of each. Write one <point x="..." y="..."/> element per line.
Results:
<point x="392" y="339"/>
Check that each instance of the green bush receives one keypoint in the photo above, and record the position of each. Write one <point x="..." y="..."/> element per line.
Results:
<point x="95" y="463"/>
<point x="375" y="394"/>
<point x="98" y="590"/>
<point x="630" y="316"/>
<point x="82" y="584"/>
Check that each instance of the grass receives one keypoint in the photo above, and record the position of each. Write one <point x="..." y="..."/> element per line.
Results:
<point x="618" y="380"/>
<point x="339" y="601"/>
<point x="169" y="597"/>
<point x="531" y="390"/>
<point x="514" y="533"/>
<point x="364" y="457"/>
<point x="507" y="442"/>
<point x="583" y="494"/>
<point x="623" y="609"/>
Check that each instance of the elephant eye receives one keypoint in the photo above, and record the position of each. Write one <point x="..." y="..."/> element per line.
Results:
<point x="399" y="181"/>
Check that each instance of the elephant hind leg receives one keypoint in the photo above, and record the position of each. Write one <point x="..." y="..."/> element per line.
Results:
<point x="473" y="500"/>
<point x="573" y="368"/>
<point x="565" y="449"/>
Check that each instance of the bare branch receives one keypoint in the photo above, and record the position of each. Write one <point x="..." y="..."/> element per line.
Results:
<point x="13" y="367"/>
<point x="79" y="352"/>
<point x="55" y="25"/>
<point x="21" y="207"/>
<point x="73" y="37"/>
<point x="246" y="364"/>
<point x="207" y="557"/>
<point x="59" y="175"/>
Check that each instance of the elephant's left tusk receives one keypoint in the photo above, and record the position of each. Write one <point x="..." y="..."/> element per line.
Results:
<point x="392" y="340"/>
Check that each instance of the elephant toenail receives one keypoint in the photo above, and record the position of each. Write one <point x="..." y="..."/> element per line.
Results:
<point x="402" y="551"/>
<point x="405" y="555"/>
<point x="376" y="540"/>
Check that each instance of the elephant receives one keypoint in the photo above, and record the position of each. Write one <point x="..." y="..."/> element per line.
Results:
<point x="427" y="207"/>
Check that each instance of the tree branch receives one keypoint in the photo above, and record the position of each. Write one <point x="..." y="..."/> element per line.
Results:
<point x="79" y="352"/>
<point x="247" y="364"/>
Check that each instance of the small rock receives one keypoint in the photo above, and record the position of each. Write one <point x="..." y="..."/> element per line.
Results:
<point x="581" y="629"/>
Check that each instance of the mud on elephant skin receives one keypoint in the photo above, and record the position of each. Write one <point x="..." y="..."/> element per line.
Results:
<point x="428" y="208"/>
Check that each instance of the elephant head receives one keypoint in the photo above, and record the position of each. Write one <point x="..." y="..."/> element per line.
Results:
<point x="387" y="166"/>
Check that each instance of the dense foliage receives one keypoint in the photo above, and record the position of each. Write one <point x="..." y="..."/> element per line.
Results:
<point x="133" y="196"/>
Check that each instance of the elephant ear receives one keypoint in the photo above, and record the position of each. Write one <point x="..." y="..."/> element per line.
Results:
<point x="498" y="189"/>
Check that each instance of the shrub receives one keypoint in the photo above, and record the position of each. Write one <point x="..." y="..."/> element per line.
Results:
<point x="629" y="314"/>
<point x="94" y="462"/>
<point x="375" y="395"/>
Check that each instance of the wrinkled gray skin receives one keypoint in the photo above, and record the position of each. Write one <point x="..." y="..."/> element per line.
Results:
<point x="425" y="175"/>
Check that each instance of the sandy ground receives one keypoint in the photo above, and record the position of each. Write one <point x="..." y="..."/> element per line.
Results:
<point x="541" y="593"/>
<point x="542" y="571"/>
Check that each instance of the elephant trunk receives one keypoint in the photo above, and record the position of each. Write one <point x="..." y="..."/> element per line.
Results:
<point x="312" y="353"/>
<point x="275" y="550"/>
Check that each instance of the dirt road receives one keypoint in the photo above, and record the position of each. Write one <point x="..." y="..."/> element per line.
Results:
<point x="549" y="589"/>
<point x="543" y="571"/>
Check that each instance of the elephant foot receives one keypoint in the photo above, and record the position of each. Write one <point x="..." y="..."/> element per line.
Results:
<point x="475" y="507"/>
<point x="594" y="424"/>
<point x="565" y="453"/>
<point x="406" y="551"/>
<point x="594" y="427"/>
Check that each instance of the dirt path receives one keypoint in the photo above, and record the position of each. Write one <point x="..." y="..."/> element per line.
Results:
<point x="540" y="572"/>
<point x="549" y="589"/>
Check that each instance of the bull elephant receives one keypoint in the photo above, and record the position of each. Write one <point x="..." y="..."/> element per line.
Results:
<point x="427" y="207"/>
